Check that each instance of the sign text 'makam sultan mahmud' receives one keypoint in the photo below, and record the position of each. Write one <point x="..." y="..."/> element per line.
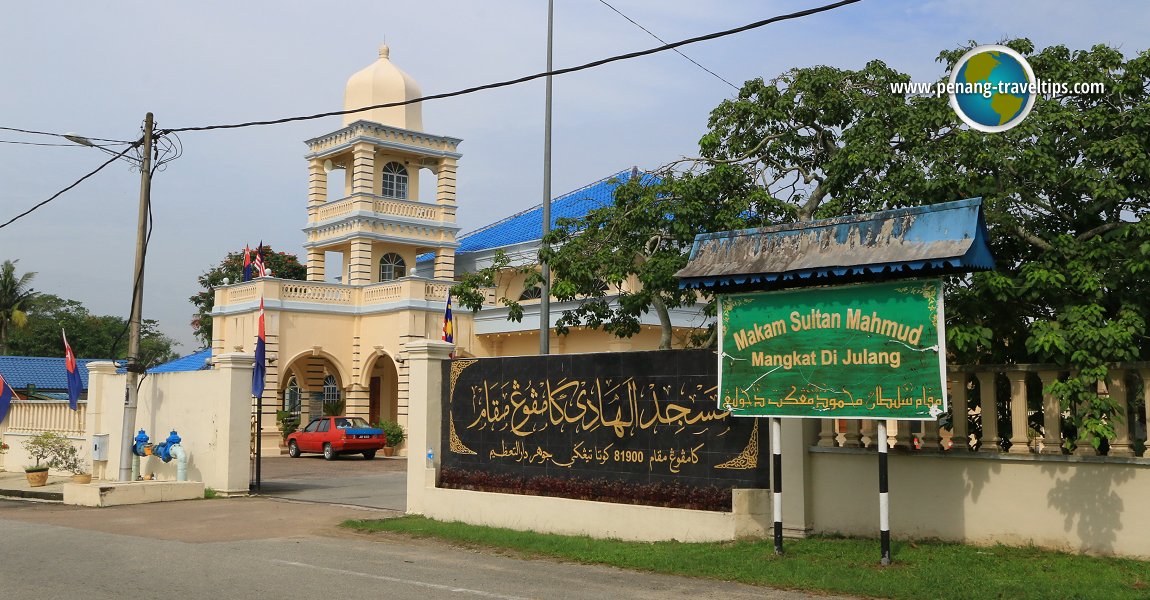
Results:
<point x="872" y="351"/>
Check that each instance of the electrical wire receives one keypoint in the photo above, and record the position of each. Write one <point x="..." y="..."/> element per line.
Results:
<point x="62" y="135"/>
<point x="74" y="184"/>
<point x="510" y="82"/>
<point x="662" y="41"/>
<point x="39" y="144"/>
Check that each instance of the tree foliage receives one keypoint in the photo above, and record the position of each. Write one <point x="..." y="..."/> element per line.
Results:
<point x="91" y="336"/>
<point x="282" y="265"/>
<point x="1065" y="193"/>
<point x="16" y="294"/>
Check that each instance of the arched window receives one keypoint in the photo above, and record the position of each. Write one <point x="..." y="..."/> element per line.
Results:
<point x="531" y="293"/>
<point x="394" y="181"/>
<point x="292" y="397"/>
<point x="330" y="390"/>
<point x="391" y="266"/>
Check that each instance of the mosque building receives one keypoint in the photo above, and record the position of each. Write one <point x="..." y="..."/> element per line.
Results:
<point x="340" y="335"/>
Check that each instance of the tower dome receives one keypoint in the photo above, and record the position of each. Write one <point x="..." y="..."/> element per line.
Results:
<point x="382" y="83"/>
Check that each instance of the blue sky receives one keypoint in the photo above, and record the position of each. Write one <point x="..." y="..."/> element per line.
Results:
<point x="76" y="66"/>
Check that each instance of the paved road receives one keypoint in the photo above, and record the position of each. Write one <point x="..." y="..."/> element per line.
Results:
<point x="378" y="483"/>
<point x="262" y="548"/>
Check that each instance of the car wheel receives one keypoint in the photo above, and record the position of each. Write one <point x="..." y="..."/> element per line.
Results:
<point x="369" y="454"/>
<point x="293" y="449"/>
<point x="328" y="452"/>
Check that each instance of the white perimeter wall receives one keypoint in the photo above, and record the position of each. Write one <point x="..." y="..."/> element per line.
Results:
<point x="209" y="409"/>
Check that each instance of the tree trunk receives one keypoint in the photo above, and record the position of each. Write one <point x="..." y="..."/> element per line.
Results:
<point x="664" y="321"/>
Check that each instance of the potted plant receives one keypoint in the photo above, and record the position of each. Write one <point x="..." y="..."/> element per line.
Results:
<point x="46" y="447"/>
<point x="68" y="459"/>
<point x="393" y="431"/>
<point x="288" y="422"/>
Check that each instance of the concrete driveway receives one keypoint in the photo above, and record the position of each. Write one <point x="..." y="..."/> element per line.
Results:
<point x="348" y="480"/>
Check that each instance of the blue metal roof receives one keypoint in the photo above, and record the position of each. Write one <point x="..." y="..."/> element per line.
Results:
<point x="47" y="373"/>
<point x="527" y="226"/>
<point x="193" y="362"/>
<point x="935" y="239"/>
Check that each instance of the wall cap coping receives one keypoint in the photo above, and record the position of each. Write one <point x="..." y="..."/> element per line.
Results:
<point x="995" y="456"/>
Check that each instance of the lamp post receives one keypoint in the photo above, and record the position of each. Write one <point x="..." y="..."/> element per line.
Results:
<point x="134" y="368"/>
<point x="545" y="284"/>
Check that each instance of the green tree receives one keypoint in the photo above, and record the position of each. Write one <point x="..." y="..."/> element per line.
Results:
<point x="282" y="265"/>
<point x="1065" y="193"/>
<point x="15" y="295"/>
<point x="91" y="336"/>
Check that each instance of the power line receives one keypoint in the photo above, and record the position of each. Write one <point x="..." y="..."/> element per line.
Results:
<point x="38" y="144"/>
<point x="661" y="40"/>
<point x="61" y="135"/>
<point x="74" y="184"/>
<point x="510" y="82"/>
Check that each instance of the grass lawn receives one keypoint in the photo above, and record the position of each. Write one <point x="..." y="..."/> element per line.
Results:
<point x="848" y="566"/>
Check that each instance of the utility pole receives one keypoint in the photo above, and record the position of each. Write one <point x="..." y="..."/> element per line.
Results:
<point x="134" y="368"/>
<point x="545" y="286"/>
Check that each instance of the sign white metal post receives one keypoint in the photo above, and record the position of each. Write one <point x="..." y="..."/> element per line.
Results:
<point x="883" y="495"/>
<point x="777" y="482"/>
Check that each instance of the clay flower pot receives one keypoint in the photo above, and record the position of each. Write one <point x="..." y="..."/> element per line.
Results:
<point x="37" y="478"/>
<point x="82" y="478"/>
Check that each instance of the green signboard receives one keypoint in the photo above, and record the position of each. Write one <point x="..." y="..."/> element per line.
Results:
<point x="869" y="351"/>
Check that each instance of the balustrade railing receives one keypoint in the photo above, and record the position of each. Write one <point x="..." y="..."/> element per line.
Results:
<point x="35" y="416"/>
<point x="1009" y="409"/>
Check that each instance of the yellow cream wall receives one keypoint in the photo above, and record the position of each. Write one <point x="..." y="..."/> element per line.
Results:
<point x="578" y="341"/>
<point x="1069" y="505"/>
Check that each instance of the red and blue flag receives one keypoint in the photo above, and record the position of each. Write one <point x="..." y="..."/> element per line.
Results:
<point x="259" y="373"/>
<point x="75" y="384"/>
<point x="5" y="398"/>
<point x="247" y="263"/>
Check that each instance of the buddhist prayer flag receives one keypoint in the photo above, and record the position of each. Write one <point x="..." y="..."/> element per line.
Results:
<point x="247" y="263"/>
<point x="5" y="398"/>
<point x="75" y="385"/>
<point x="261" y="368"/>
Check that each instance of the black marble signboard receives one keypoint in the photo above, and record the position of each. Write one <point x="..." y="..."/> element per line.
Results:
<point x="640" y="418"/>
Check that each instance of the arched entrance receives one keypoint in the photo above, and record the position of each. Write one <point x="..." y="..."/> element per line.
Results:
<point x="383" y="389"/>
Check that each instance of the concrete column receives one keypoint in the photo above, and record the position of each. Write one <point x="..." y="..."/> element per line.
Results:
<point x="899" y="435"/>
<point x="930" y="436"/>
<point x="105" y="414"/>
<point x="797" y="436"/>
<point x="867" y="434"/>
<point x="1018" y="422"/>
<point x="315" y="264"/>
<point x="232" y="468"/>
<point x="444" y="264"/>
<point x="827" y="434"/>
<point x="316" y="184"/>
<point x="959" y="407"/>
<point x="445" y="187"/>
<point x="358" y="401"/>
<point x="988" y="398"/>
<point x="1051" y="415"/>
<point x="363" y="169"/>
<point x="1120" y="445"/>
<point x="424" y="418"/>
<point x="360" y="263"/>
<point x="853" y="434"/>
<point x="1145" y="375"/>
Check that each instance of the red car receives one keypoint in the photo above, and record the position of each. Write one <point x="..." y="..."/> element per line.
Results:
<point x="337" y="435"/>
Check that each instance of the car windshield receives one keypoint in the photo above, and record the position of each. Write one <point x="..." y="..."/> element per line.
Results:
<point x="351" y="423"/>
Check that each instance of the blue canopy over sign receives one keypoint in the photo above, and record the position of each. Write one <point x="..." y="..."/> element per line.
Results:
<point x="921" y="240"/>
